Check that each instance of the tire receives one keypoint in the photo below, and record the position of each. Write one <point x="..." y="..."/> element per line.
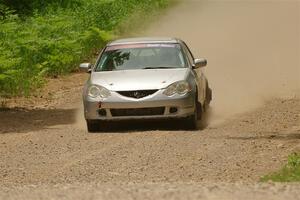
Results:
<point x="208" y="95"/>
<point x="206" y="109"/>
<point x="208" y="98"/>
<point x="192" y="121"/>
<point x="93" y="126"/>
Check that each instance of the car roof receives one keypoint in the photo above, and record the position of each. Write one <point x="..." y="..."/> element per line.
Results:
<point x="141" y="40"/>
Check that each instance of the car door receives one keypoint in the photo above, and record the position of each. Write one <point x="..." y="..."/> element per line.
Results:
<point x="198" y="74"/>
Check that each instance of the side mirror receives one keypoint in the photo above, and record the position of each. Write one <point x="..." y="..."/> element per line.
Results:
<point x="200" y="63"/>
<point x="86" y="67"/>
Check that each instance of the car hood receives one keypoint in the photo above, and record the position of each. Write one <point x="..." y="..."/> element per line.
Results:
<point x="146" y="79"/>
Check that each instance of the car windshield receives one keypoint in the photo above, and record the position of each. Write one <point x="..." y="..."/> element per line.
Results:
<point x="141" y="56"/>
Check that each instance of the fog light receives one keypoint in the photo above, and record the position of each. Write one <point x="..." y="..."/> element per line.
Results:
<point x="173" y="110"/>
<point x="102" y="112"/>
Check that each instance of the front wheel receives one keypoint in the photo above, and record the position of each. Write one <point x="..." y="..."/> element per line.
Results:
<point x="208" y="96"/>
<point x="192" y="121"/>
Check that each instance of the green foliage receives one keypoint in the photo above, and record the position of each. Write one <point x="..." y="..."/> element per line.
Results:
<point x="26" y="7"/>
<point x="289" y="173"/>
<point x="56" y="36"/>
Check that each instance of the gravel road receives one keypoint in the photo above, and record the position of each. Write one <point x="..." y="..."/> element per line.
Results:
<point x="253" y="50"/>
<point x="176" y="191"/>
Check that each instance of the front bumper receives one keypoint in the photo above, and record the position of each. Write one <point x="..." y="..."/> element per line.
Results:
<point x="156" y="106"/>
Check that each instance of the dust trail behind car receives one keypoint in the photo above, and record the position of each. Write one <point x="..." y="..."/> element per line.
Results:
<point x="252" y="47"/>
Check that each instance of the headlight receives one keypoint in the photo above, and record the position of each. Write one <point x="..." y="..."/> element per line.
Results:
<point x="180" y="87"/>
<point x="95" y="91"/>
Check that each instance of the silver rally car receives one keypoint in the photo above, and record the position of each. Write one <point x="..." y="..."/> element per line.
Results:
<point x="145" y="78"/>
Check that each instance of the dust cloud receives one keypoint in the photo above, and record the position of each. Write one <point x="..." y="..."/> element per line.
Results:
<point x="252" y="48"/>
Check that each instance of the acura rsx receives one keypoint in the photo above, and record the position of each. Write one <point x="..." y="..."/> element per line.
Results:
<point x="145" y="78"/>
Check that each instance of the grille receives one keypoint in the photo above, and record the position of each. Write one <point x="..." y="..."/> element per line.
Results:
<point x="137" y="111"/>
<point x="137" y="94"/>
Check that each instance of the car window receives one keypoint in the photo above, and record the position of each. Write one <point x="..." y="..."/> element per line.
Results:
<point x="189" y="54"/>
<point x="141" y="56"/>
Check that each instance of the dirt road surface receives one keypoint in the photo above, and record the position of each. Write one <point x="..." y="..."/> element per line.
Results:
<point x="253" y="50"/>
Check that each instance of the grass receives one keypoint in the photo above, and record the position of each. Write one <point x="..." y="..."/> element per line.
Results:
<point x="289" y="173"/>
<point x="53" y="38"/>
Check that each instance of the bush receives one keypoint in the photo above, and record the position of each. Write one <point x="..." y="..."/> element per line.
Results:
<point x="26" y="7"/>
<point x="56" y="36"/>
<point x="289" y="173"/>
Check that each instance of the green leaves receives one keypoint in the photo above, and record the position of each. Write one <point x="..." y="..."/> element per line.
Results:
<point x="6" y="13"/>
<point x="27" y="7"/>
<point x="56" y="37"/>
